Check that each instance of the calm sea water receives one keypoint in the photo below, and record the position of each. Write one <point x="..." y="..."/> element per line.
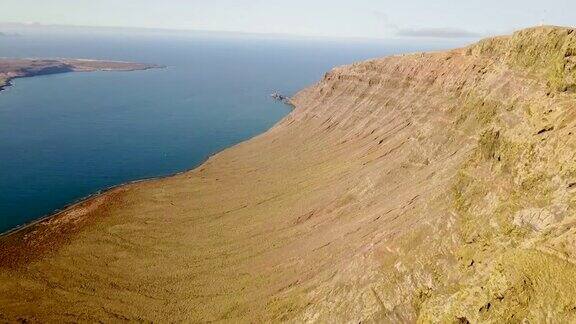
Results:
<point x="63" y="137"/>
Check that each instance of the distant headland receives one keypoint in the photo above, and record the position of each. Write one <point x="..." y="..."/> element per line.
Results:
<point x="20" y="68"/>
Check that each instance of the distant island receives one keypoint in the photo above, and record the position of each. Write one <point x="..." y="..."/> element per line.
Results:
<point x="20" y="68"/>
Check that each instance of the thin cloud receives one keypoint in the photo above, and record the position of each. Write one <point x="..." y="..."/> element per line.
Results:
<point x="436" y="33"/>
<point x="385" y="21"/>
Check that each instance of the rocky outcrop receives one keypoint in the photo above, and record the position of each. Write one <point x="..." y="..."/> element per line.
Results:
<point x="431" y="187"/>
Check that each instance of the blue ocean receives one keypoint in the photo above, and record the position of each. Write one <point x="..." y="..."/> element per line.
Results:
<point x="66" y="136"/>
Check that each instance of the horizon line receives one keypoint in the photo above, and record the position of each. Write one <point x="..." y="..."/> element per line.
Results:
<point x="13" y="24"/>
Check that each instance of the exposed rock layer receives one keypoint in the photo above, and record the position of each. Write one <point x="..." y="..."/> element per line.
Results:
<point x="423" y="187"/>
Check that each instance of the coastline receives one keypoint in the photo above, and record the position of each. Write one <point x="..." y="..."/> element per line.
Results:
<point x="25" y="253"/>
<point x="6" y="84"/>
<point x="98" y="193"/>
<point x="88" y="198"/>
<point x="65" y="66"/>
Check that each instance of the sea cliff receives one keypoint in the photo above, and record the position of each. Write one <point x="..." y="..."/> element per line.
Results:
<point x="430" y="187"/>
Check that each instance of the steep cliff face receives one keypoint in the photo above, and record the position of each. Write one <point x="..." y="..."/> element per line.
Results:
<point x="485" y="143"/>
<point x="423" y="187"/>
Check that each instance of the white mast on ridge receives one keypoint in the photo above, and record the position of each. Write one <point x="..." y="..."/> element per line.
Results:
<point x="543" y="18"/>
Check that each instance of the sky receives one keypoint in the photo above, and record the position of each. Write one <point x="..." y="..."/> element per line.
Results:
<point x="332" y="18"/>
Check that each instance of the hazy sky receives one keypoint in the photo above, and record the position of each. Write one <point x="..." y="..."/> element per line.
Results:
<point x="341" y="18"/>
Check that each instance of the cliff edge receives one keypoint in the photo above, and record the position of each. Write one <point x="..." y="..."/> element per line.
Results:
<point x="431" y="187"/>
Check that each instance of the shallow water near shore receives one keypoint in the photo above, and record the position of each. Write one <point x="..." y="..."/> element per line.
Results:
<point x="66" y="136"/>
